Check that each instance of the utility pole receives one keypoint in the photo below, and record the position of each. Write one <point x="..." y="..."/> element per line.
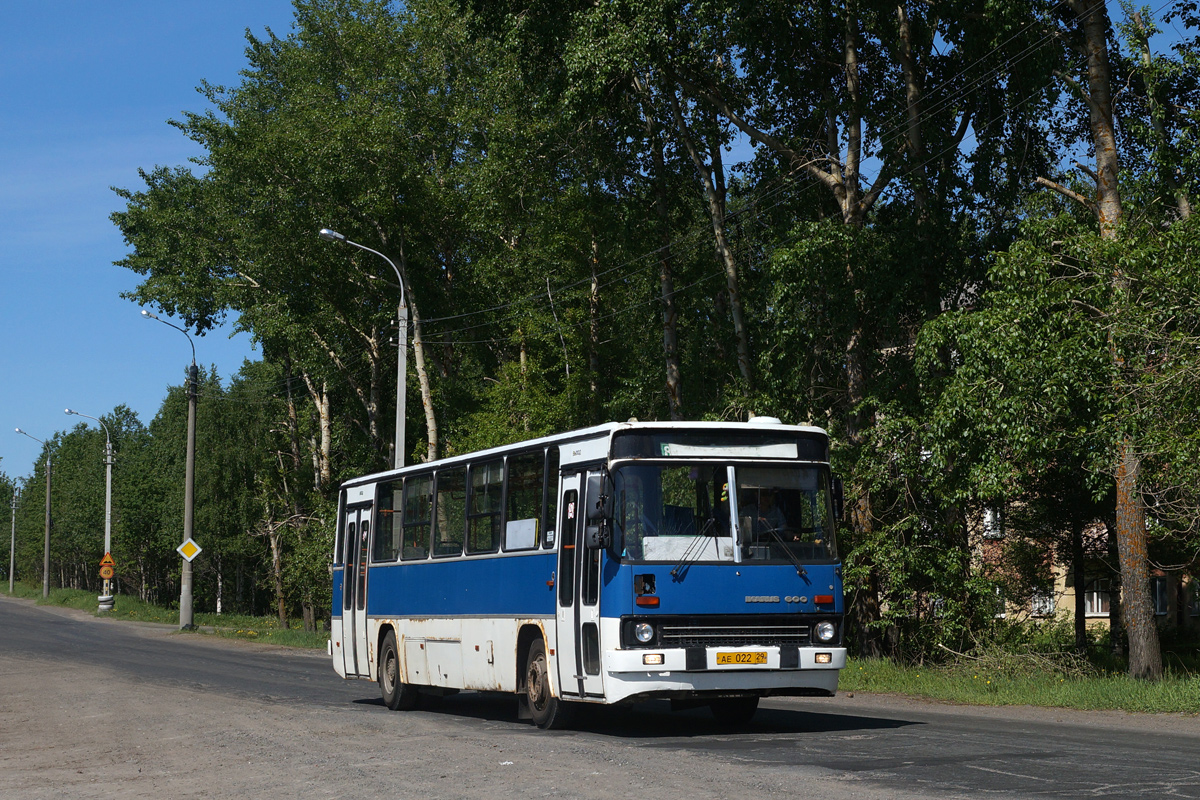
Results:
<point x="46" y="547"/>
<point x="186" y="618"/>
<point x="12" y="547"/>
<point x="189" y="549"/>
<point x="105" y="599"/>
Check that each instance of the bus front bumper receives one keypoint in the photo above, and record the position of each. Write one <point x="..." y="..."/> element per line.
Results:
<point x="630" y="674"/>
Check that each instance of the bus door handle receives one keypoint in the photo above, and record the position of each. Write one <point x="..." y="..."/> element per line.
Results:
<point x="550" y="582"/>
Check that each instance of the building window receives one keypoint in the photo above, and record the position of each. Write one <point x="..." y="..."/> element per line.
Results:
<point x="993" y="524"/>
<point x="1158" y="592"/>
<point x="999" y="604"/>
<point x="1095" y="599"/>
<point x="1041" y="603"/>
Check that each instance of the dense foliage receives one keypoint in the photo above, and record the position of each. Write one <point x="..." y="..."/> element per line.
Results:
<point x="906" y="249"/>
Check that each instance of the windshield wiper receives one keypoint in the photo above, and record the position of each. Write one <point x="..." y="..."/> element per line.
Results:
<point x="788" y="550"/>
<point x="696" y="548"/>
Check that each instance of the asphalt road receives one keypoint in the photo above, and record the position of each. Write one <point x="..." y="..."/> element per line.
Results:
<point x="97" y="708"/>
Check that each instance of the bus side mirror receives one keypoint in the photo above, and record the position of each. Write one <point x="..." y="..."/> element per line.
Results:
<point x="597" y="504"/>
<point x="839" y="498"/>
<point x="596" y="536"/>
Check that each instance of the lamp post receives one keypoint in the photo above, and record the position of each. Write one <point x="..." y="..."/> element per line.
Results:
<point x="12" y="546"/>
<point x="189" y="482"/>
<point x="106" y="598"/>
<point x="46" y="548"/>
<point x="401" y="358"/>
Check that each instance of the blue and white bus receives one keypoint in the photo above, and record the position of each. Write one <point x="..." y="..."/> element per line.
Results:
<point x="693" y="561"/>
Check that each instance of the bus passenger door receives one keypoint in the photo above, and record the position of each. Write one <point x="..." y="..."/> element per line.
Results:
<point x="579" y="668"/>
<point x="354" y="590"/>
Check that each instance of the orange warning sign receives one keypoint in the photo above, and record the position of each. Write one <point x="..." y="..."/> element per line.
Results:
<point x="107" y="561"/>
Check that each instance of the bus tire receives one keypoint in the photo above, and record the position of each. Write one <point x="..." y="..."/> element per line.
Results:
<point x="733" y="712"/>
<point x="397" y="696"/>
<point x="548" y="711"/>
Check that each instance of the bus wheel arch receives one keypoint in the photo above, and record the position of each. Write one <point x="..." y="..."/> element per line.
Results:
<point x="526" y="636"/>
<point x="397" y="695"/>
<point x="548" y="712"/>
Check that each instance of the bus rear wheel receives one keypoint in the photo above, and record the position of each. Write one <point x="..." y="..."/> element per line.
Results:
<point x="734" y="712"/>
<point x="397" y="696"/>
<point x="548" y="711"/>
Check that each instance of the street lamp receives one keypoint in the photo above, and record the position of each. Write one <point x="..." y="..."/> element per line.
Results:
<point x="12" y="547"/>
<point x="189" y="482"/>
<point x="401" y="358"/>
<point x="46" y="548"/>
<point x="106" y="598"/>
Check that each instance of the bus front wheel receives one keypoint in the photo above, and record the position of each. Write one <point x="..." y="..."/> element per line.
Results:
<point x="548" y="711"/>
<point x="397" y="696"/>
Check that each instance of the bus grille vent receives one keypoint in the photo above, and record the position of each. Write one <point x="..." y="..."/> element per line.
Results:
<point x="717" y="635"/>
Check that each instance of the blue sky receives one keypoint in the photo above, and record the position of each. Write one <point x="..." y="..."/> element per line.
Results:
<point x="87" y="89"/>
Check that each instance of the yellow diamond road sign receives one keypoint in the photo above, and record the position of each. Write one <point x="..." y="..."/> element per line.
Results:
<point x="188" y="549"/>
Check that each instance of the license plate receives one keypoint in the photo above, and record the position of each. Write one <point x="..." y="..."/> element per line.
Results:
<point x="741" y="658"/>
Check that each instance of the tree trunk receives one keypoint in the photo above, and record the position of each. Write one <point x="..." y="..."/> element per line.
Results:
<point x="1093" y="20"/>
<point x="594" y="332"/>
<point x="1145" y="660"/>
<point x="666" y="277"/>
<point x="277" y="571"/>
<point x="431" y="425"/>
<point x="912" y="92"/>
<point x="716" y="211"/>
<point x="322" y="454"/>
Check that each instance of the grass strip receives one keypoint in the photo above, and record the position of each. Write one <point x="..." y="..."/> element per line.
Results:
<point x="233" y="626"/>
<point x="988" y="685"/>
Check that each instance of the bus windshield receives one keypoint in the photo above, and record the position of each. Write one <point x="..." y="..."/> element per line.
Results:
<point x="686" y="511"/>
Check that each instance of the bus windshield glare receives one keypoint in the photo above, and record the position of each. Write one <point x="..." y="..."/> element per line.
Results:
<point x="775" y="512"/>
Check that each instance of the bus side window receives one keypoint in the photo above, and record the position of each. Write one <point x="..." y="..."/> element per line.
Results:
<point x="351" y="541"/>
<point x="484" y="507"/>
<point x="418" y="502"/>
<point x="566" y="558"/>
<point x="451" y="512"/>
<point x="523" y="503"/>
<point x="551" y="490"/>
<point x="339" y="537"/>
<point x="364" y="533"/>
<point x="387" y="525"/>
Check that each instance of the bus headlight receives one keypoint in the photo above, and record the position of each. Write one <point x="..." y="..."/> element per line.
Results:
<point x="644" y="632"/>
<point x="826" y="631"/>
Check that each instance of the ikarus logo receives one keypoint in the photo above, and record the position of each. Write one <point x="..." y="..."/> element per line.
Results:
<point x="762" y="598"/>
